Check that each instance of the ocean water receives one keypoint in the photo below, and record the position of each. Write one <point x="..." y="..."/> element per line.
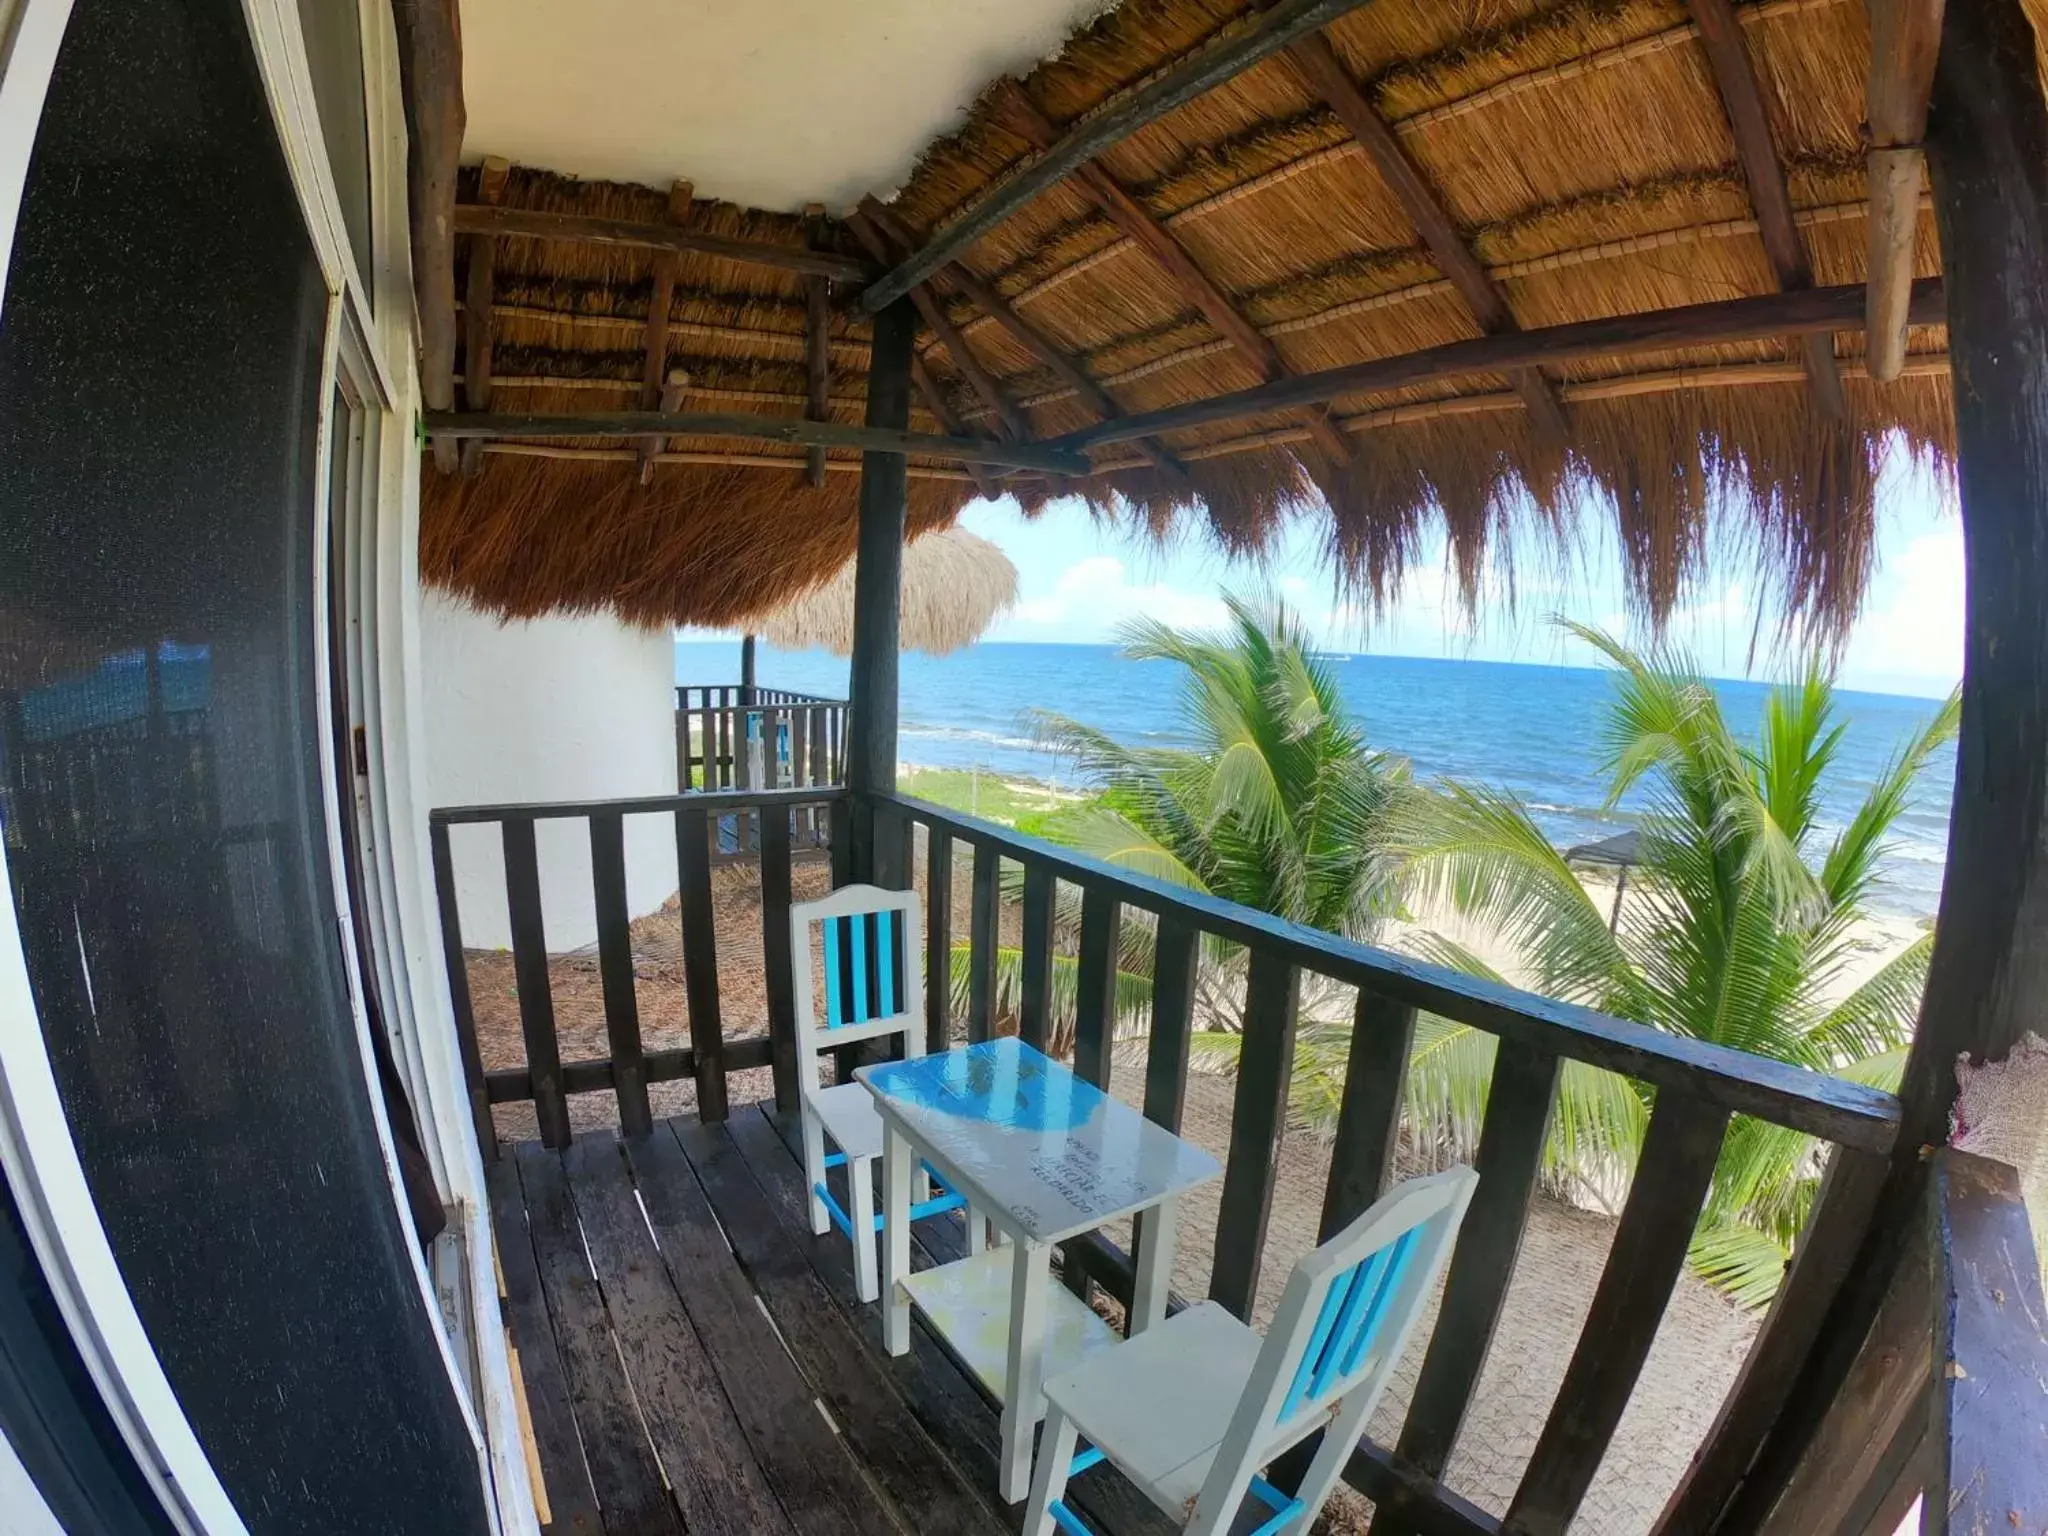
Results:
<point x="1531" y="729"/>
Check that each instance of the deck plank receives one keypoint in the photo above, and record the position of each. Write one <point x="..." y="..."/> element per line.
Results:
<point x="927" y="1489"/>
<point x="716" y="1480"/>
<point x="571" y="1501"/>
<point x="623" y="1471"/>
<point x="949" y="1402"/>
<point x="811" y="1471"/>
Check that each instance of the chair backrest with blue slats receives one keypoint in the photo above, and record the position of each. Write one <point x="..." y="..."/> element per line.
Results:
<point x="856" y="960"/>
<point x="1342" y="1325"/>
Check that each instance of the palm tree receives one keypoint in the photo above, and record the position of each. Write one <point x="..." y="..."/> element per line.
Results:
<point x="1274" y="805"/>
<point x="1740" y="930"/>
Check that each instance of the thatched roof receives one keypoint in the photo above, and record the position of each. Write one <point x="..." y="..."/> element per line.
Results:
<point x="1581" y="149"/>
<point x="955" y="584"/>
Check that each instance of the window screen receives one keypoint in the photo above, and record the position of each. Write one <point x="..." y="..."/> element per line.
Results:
<point x="166" y="840"/>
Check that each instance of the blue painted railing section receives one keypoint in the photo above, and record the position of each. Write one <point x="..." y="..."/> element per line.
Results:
<point x="864" y="962"/>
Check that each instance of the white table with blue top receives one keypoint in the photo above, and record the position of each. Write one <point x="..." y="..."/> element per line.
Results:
<point x="1045" y="1156"/>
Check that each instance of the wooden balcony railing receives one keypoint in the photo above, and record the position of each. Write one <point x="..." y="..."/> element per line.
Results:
<point x="803" y="738"/>
<point x="1697" y="1088"/>
<point x="702" y="821"/>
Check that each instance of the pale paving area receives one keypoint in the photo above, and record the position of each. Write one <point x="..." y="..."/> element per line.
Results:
<point x="1699" y="1347"/>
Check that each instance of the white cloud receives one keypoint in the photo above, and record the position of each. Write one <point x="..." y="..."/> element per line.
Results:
<point x="1093" y="596"/>
<point x="1911" y="633"/>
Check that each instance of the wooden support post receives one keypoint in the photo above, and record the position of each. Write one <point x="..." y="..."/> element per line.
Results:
<point x="878" y="585"/>
<point x="661" y="298"/>
<point x="476" y="309"/>
<point x="430" y="64"/>
<point x="1756" y="148"/>
<point x="1987" y="160"/>
<point x="1327" y="76"/>
<point x="671" y="402"/>
<point x="1905" y="37"/>
<point x="1010" y="422"/>
<point x="817" y="348"/>
<point x="984" y="297"/>
<point x="748" y="692"/>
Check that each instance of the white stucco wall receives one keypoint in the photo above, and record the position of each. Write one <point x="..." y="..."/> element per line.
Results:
<point x="551" y="709"/>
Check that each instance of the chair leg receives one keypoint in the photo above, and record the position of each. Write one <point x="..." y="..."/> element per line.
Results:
<point x="814" y="1170"/>
<point x="860" y="1208"/>
<point x="1049" y="1478"/>
<point x="1339" y="1440"/>
<point x="977" y="1229"/>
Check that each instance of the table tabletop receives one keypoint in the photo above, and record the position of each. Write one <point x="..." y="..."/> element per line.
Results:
<point x="1031" y="1141"/>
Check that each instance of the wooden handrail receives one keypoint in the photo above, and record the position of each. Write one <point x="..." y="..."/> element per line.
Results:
<point x="712" y="802"/>
<point x="1813" y="1102"/>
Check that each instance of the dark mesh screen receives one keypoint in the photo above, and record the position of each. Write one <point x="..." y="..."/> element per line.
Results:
<point x="159" y="393"/>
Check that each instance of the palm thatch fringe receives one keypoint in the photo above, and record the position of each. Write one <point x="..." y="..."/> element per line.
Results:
<point x="955" y="584"/>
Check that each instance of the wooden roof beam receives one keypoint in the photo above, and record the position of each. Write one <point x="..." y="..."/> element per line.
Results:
<point x="669" y="402"/>
<point x="1021" y="115"/>
<point x="430" y="46"/>
<point x="1328" y="78"/>
<point x="982" y="294"/>
<point x="1757" y="150"/>
<point x="817" y="345"/>
<point x="1803" y="312"/>
<point x="654" y="374"/>
<point x="1905" y="37"/>
<point x="1259" y="39"/>
<point x="536" y="224"/>
<point x="477" y="327"/>
<point x="1011" y="423"/>
<point x="755" y="428"/>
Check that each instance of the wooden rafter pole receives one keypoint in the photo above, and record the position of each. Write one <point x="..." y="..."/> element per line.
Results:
<point x="1021" y="115"/>
<point x="1804" y="312"/>
<point x="476" y="308"/>
<point x="1327" y="76"/>
<point x="763" y="429"/>
<point x="1905" y="38"/>
<point x="1756" y="149"/>
<point x="669" y="401"/>
<point x="1010" y="421"/>
<point x="535" y="224"/>
<point x="980" y="293"/>
<point x="430" y="60"/>
<point x="1259" y="39"/>
<point x="654" y="373"/>
<point x="936" y="402"/>
<point x="817" y="346"/>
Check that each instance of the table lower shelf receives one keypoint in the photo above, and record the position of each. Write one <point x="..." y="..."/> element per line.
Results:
<point x="968" y="1302"/>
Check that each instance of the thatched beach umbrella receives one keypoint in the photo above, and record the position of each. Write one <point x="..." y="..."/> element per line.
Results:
<point x="955" y="585"/>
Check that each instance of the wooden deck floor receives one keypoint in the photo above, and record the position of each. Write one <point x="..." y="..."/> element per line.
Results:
<point x="707" y="1369"/>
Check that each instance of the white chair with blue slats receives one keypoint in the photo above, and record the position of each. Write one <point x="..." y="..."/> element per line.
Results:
<point x="1194" y="1409"/>
<point x="871" y="986"/>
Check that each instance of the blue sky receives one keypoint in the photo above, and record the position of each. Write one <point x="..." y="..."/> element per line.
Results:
<point x="1079" y="581"/>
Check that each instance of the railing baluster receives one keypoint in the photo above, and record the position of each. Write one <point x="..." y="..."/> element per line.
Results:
<point x="1034" y="961"/>
<point x="615" y="968"/>
<point x="1258" y="1112"/>
<point x="821" y="759"/>
<point x="938" y="939"/>
<point x="982" y="934"/>
<point x="458" y="993"/>
<point x="530" y="970"/>
<point x="700" y="960"/>
<point x="1510" y="1152"/>
<point x="1095" y="984"/>
<point x="840" y="831"/>
<point x="775" y="955"/>
<point x="1671" y="1178"/>
<point x="1176" y="953"/>
<point x="1369" y="1117"/>
<point x="707" y="736"/>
